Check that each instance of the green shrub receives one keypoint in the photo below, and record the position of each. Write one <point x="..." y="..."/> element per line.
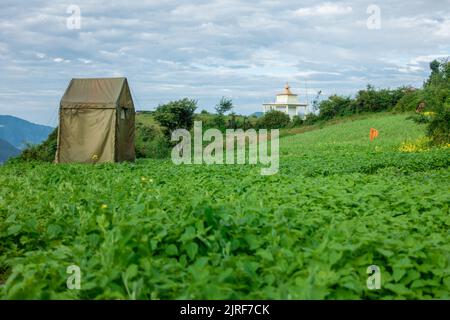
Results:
<point x="150" y="142"/>
<point x="419" y="118"/>
<point x="297" y="121"/>
<point x="176" y="115"/>
<point x="310" y="119"/>
<point x="439" y="127"/>
<point x="410" y="101"/>
<point x="40" y="152"/>
<point x="335" y="106"/>
<point x="274" y="120"/>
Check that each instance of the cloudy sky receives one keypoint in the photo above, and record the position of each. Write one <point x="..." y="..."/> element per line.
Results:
<point x="206" y="49"/>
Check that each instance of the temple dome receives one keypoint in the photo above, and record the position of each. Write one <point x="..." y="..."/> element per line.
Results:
<point x="287" y="91"/>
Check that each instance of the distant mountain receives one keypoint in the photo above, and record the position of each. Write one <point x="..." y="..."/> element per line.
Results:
<point x="19" y="132"/>
<point x="257" y="114"/>
<point x="7" y="151"/>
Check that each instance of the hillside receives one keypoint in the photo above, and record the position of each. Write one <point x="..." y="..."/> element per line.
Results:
<point x="339" y="204"/>
<point x="18" y="132"/>
<point x="7" y="151"/>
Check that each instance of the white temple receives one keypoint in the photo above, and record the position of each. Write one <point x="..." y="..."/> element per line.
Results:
<point x="286" y="102"/>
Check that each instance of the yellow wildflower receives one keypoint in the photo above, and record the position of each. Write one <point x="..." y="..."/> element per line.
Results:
<point x="104" y="206"/>
<point x="418" y="145"/>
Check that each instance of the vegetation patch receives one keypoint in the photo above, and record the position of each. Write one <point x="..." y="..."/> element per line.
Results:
<point x="153" y="230"/>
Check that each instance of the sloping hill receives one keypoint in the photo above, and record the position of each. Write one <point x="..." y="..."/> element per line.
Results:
<point x="18" y="132"/>
<point x="338" y="204"/>
<point x="7" y="151"/>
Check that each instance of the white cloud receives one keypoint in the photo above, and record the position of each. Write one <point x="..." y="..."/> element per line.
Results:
<point x="325" y="9"/>
<point x="209" y="48"/>
<point x="426" y="58"/>
<point x="443" y="29"/>
<point x="85" y="61"/>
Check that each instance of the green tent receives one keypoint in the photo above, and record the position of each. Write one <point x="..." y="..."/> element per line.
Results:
<point x="96" y="122"/>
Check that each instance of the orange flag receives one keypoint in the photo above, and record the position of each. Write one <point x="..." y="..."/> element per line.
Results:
<point x="373" y="133"/>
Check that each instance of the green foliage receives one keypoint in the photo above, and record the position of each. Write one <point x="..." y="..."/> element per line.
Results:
<point x="154" y="230"/>
<point x="150" y="142"/>
<point x="232" y="121"/>
<point x="435" y="92"/>
<point x="225" y="105"/>
<point x="310" y="119"/>
<point x="367" y="100"/>
<point x="297" y="121"/>
<point x="437" y="97"/>
<point x="219" y="122"/>
<point x="373" y="100"/>
<point x="273" y="120"/>
<point x="439" y="128"/>
<point x="176" y="115"/>
<point x="40" y="152"/>
<point x="335" y="106"/>
<point x="420" y="118"/>
<point x="410" y="100"/>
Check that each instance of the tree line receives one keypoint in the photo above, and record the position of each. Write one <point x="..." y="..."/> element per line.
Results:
<point x="431" y="103"/>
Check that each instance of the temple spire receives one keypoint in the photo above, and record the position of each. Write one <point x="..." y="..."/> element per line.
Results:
<point x="287" y="89"/>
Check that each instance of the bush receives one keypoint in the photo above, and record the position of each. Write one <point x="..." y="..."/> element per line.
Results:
<point x="374" y="100"/>
<point x="176" y="115"/>
<point x="420" y="118"/>
<point x="409" y="101"/>
<point x="310" y="119"/>
<point x="335" y="106"/>
<point x="150" y="142"/>
<point x="439" y="127"/>
<point x="41" y="152"/>
<point x="297" y="121"/>
<point x="274" y="120"/>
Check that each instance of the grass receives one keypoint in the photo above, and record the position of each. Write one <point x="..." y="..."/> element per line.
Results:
<point x="153" y="230"/>
<point x="146" y="119"/>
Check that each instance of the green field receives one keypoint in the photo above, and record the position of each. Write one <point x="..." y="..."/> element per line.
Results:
<point x="153" y="230"/>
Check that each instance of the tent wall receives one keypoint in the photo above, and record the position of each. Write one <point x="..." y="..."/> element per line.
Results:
<point x="125" y="135"/>
<point x="125" y="126"/>
<point x="86" y="135"/>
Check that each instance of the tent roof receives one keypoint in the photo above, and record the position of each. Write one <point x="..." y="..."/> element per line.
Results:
<point x="97" y="93"/>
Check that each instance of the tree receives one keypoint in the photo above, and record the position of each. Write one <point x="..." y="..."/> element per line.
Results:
<point x="232" y="121"/>
<point x="176" y="115"/>
<point x="334" y="106"/>
<point x="273" y="120"/>
<point x="316" y="101"/>
<point x="224" y="106"/>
